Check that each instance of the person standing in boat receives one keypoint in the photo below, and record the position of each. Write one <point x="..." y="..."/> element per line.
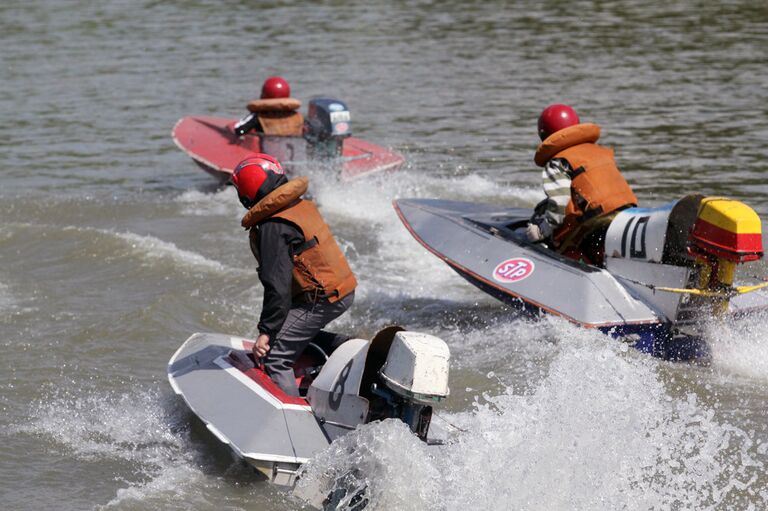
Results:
<point x="306" y="278"/>
<point x="275" y="113"/>
<point x="584" y="187"/>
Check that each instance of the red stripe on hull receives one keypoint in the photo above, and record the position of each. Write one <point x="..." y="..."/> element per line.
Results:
<point x="260" y="377"/>
<point x="509" y="292"/>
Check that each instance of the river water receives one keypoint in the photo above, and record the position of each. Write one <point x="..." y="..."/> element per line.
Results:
<point x="115" y="247"/>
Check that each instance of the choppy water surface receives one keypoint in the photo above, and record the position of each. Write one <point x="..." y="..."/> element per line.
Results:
<point x="114" y="247"/>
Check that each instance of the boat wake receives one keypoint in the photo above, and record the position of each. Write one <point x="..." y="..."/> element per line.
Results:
<point x="385" y="258"/>
<point x="600" y="431"/>
<point x="149" y="440"/>
<point x="152" y="249"/>
<point x="222" y="202"/>
<point x="8" y="303"/>
<point x="740" y="348"/>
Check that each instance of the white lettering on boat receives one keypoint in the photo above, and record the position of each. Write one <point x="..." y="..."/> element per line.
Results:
<point x="513" y="270"/>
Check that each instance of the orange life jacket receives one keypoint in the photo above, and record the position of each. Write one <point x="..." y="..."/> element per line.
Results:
<point x="278" y="116"/>
<point x="320" y="268"/>
<point x="597" y="186"/>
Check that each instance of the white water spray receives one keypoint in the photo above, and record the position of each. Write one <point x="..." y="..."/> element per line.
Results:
<point x="599" y="432"/>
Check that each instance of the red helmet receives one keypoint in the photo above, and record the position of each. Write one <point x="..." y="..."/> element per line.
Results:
<point x="275" y="87"/>
<point x="251" y="173"/>
<point x="556" y="117"/>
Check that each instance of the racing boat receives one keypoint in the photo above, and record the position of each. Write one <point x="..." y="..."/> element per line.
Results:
<point x="213" y="144"/>
<point x="398" y="374"/>
<point x="664" y="270"/>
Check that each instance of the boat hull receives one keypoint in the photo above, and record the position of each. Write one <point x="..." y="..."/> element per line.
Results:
<point x="211" y="143"/>
<point x="482" y="244"/>
<point x="486" y="245"/>
<point x="240" y="406"/>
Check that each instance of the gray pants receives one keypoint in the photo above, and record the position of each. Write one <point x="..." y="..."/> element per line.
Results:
<point x="303" y="325"/>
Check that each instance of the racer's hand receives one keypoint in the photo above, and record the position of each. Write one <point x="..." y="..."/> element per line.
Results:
<point x="533" y="233"/>
<point x="261" y="346"/>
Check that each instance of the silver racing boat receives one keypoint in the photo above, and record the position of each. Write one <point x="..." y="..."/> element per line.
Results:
<point x="664" y="270"/>
<point x="398" y="374"/>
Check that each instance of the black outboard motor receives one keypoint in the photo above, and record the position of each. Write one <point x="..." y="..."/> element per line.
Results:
<point x="327" y="125"/>
<point x="388" y="404"/>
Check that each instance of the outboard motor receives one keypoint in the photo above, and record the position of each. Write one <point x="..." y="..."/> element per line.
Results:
<point x="688" y="248"/>
<point x="415" y="376"/>
<point x="396" y="375"/>
<point x="726" y="233"/>
<point x="327" y="125"/>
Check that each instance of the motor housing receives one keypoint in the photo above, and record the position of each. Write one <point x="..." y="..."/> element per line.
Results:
<point x="726" y="229"/>
<point x="417" y="367"/>
<point x="327" y="125"/>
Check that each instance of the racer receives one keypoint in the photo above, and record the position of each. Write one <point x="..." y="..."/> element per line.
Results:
<point x="584" y="187"/>
<point x="306" y="278"/>
<point x="275" y="113"/>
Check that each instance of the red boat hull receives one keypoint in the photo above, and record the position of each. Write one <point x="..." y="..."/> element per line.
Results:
<point x="210" y="142"/>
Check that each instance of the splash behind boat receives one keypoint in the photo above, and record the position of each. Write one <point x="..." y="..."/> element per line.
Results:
<point x="665" y="269"/>
<point x="397" y="374"/>
<point x="212" y="143"/>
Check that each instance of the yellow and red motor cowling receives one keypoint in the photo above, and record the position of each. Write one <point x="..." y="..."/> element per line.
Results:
<point x="726" y="229"/>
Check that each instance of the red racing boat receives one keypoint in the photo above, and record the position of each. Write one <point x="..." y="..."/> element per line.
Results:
<point x="213" y="144"/>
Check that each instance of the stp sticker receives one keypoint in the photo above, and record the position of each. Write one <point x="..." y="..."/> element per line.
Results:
<point x="513" y="270"/>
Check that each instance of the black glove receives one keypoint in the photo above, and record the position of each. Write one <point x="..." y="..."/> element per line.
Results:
<point x="539" y="229"/>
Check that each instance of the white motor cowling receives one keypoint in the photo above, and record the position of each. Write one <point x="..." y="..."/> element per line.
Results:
<point x="417" y="367"/>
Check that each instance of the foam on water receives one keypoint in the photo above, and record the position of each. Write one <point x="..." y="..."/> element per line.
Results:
<point x="740" y="347"/>
<point x="222" y="202"/>
<point x="478" y="187"/>
<point x="14" y="302"/>
<point x="598" y="432"/>
<point x="400" y="267"/>
<point x="140" y="428"/>
<point x="129" y="426"/>
<point x="7" y="300"/>
<point x="388" y="271"/>
<point x="505" y="338"/>
<point x="172" y="482"/>
<point x="371" y="198"/>
<point x="153" y="248"/>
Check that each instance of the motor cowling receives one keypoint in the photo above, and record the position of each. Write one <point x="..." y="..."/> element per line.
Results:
<point x="417" y="367"/>
<point x="726" y="229"/>
<point x="416" y="376"/>
<point x="327" y="125"/>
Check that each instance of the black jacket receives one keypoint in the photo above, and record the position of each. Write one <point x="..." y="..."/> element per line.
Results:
<point x="276" y="241"/>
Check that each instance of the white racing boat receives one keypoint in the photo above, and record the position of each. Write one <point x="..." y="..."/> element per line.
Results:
<point x="398" y="374"/>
